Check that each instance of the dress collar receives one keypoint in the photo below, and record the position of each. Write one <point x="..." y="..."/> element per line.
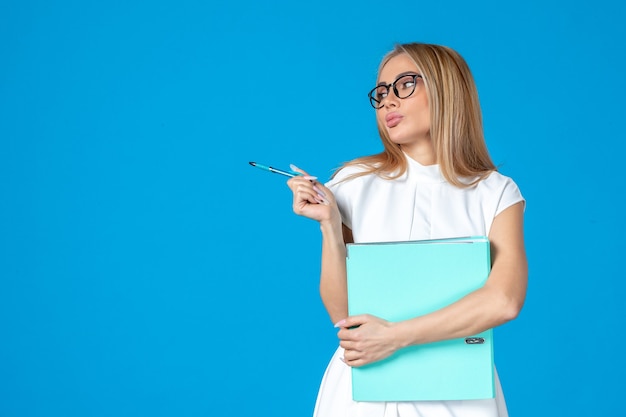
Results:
<point x="424" y="173"/>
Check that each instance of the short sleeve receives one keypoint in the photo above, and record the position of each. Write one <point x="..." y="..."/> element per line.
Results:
<point x="510" y="195"/>
<point x="345" y="189"/>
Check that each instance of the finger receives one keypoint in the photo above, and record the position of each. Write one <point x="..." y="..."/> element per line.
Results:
<point x="352" y="355"/>
<point x="355" y="363"/>
<point x="353" y="321"/>
<point x="349" y="335"/>
<point x="299" y="183"/>
<point x="354" y="359"/>
<point x="301" y="179"/>
<point x="319" y="191"/>
<point x="324" y="193"/>
<point x="322" y="188"/>
<point x="303" y="199"/>
<point x="304" y="175"/>
<point x="302" y="188"/>
<point x="305" y="189"/>
<point x="296" y="169"/>
<point x="348" y="345"/>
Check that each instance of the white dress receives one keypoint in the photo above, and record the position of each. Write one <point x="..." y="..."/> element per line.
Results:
<point x="419" y="205"/>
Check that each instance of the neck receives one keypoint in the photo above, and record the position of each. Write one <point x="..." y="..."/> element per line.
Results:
<point x="422" y="152"/>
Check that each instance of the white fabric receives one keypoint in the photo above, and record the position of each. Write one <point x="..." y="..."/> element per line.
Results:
<point x="419" y="205"/>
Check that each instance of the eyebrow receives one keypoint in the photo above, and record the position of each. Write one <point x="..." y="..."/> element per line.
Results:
<point x="402" y="74"/>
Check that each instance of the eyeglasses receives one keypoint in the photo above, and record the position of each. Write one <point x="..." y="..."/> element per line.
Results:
<point x="404" y="86"/>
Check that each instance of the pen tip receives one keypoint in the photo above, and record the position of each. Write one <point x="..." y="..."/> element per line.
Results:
<point x="252" y="163"/>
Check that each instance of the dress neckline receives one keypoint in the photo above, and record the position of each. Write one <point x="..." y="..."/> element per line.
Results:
<point x="424" y="173"/>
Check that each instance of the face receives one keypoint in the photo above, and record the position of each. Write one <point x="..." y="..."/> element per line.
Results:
<point x="407" y="120"/>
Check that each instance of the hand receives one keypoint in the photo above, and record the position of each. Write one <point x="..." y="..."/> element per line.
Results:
<point x="371" y="341"/>
<point x="312" y="199"/>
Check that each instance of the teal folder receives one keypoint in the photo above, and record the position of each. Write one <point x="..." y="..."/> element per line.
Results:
<point x="400" y="280"/>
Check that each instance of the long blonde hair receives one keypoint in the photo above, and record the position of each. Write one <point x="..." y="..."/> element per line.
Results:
<point x="456" y="129"/>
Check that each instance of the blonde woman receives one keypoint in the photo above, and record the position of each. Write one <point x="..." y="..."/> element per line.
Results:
<point x="434" y="179"/>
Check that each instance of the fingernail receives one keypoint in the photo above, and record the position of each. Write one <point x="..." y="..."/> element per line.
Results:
<point x="309" y="177"/>
<point x="320" y="192"/>
<point x="293" y="167"/>
<point x="340" y="323"/>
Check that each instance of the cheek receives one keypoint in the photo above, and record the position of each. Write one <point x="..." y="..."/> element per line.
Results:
<point x="425" y="111"/>
<point x="380" y="119"/>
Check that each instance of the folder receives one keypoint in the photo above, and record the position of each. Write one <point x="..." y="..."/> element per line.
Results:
<point x="401" y="280"/>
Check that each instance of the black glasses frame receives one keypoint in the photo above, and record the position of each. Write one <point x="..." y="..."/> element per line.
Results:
<point x="377" y="104"/>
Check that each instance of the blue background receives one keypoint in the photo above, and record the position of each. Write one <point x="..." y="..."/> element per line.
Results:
<point x="147" y="270"/>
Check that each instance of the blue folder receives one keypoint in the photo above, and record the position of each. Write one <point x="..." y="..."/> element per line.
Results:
<point x="400" y="280"/>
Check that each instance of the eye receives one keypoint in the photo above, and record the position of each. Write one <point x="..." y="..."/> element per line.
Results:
<point x="381" y="92"/>
<point x="405" y="83"/>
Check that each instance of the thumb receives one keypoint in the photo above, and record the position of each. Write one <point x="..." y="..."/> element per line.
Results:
<point x="296" y="169"/>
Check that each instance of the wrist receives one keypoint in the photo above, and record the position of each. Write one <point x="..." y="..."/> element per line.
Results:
<point x="403" y="334"/>
<point x="332" y="226"/>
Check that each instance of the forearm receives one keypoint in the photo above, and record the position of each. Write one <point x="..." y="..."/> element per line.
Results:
<point x="480" y="310"/>
<point x="333" y="287"/>
<point x="313" y="200"/>
<point x="498" y="301"/>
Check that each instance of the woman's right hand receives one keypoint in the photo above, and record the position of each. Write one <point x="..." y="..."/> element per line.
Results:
<point x="312" y="199"/>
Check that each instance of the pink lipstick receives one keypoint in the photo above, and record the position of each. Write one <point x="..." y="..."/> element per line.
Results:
<point x="393" y="119"/>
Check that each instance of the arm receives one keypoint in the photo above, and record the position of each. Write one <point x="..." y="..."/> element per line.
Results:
<point x="311" y="199"/>
<point x="498" y="301"/>
<point x="333" y="283"/>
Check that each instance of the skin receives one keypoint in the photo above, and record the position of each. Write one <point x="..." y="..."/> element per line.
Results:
<point x="498" y="301"/>
<point x="413" y="132"/>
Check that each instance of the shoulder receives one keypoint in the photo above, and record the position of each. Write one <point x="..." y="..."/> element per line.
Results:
<point x="497" y="179"/>
<point x="501" y="189"/>
<point x="348" y="174"/>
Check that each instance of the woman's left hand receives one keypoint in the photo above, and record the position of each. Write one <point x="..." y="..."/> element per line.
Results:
<point x="371" y="341"/>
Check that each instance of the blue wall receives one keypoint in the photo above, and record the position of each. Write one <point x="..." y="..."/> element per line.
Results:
<point x="147" y="269"/>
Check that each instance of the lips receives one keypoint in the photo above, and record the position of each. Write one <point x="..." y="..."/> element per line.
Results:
<point x="393" y="119"/>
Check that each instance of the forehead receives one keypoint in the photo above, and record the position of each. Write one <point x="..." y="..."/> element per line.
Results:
<point x="395" y="66"/>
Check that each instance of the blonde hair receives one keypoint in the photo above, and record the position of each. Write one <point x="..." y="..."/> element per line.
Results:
<point x="456" y="129"/>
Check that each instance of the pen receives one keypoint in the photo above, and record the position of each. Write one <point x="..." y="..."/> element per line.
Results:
<point x="275" y="170"/>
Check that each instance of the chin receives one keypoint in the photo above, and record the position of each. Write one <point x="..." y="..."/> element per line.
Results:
<point x="394" y="136"/>
<point x="400" y="138"/>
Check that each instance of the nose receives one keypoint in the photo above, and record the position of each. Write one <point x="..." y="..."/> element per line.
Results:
<point x="391" y="100"/>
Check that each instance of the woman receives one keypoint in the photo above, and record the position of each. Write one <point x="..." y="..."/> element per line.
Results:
<point x="434" y="179"/>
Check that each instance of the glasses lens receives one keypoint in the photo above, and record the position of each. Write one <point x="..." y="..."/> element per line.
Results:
<point x="377" y="95"/>
<point x="405" y="85"/>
